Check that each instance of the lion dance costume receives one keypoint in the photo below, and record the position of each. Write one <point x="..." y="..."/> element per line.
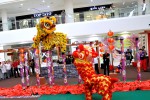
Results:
<point x="100" y="83"/>
<point x="47" y="36"/>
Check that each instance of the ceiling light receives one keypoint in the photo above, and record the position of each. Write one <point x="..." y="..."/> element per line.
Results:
<point x="28" y="9"/>
<point x="43" y="1"/>
<point x="48" y="6"/>
<point x="21" y="4"/>
<point x="91" y="0"/>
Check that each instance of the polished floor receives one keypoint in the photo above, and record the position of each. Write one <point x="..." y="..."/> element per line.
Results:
<point x="131" y="76"/>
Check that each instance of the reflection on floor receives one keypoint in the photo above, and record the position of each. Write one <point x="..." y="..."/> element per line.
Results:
<point x="131" y="76"/>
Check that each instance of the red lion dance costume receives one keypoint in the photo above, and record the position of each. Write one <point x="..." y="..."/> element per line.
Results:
<point x="100" y="83"/>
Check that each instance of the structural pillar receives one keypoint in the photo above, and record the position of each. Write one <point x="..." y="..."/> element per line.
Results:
<point x="4" y="20"/>
<point x="2" y="56"/>
<point x="68" y="4"/>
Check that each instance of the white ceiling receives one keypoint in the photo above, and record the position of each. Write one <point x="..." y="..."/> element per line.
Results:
<point x="15" y="8"/>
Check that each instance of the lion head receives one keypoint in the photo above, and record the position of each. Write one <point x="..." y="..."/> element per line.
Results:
<point x="85" y="52"/>
<point x="47" y="24"/>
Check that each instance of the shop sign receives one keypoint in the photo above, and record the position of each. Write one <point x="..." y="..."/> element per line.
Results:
<point x="42" y="14"/>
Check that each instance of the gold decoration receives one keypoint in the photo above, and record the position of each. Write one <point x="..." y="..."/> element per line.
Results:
<point x="47" y="36"/>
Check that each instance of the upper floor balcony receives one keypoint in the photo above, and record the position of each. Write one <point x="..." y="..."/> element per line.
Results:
<point x="94" y="14"/>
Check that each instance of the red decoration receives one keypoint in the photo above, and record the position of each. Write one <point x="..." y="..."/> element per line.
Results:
<point x="110" y="40"/>
<point x="21" y="55"/>
<point x="110" y="33"/>
<point x="100" y="83"/>
<point x="101" y="55"/>
<point x="22" y="60"/>
<point x="101" y="50"/>
<point x="21" y="50"/>
<point x="37" y="51"/>
<point x="101" y="44"/>
<point x="111" y="47"/>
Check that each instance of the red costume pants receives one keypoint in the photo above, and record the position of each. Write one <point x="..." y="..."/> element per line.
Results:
<point x="144" y="64"/>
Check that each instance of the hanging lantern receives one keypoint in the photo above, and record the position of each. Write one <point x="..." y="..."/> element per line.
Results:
<point x="22" y="59"/>
<point x="21" y="50"/>
<point x="110" y="33"/>
<point x="101" y="55"/>
<point x="22" y="55"/>
<point x="101" y="44"/>
<point x="111" y="47"/>
<point x="37" y="51"/>
<point x="101" y="50"/>
<point x="110" y="40"/>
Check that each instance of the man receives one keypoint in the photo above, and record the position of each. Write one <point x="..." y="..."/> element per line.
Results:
<point x="143" y="58"/>
<point x="96" y="65"/>
<point x="106" y="61"/>
<point x="15" y="66"/>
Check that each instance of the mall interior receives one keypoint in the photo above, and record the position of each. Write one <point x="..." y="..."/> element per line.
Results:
<point x="86" y="22"/>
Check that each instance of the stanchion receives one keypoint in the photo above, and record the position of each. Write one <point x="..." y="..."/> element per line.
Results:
<point x="64" y="68"/>
<point x="123" y="60"/>
<point x="21" y="57"/>
<point x="50" y="69"/>
<point x="27" y="69"/>
<point x="37" y="70"/>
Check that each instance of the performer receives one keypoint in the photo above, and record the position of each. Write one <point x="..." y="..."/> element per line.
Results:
<point x="106" y="62"/>
<point x="96" y="65"/>
<point x="143" y="58"/>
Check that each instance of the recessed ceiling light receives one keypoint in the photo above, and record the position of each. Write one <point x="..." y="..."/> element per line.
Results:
<point x="21" y="4"/>
<point x="43" y="1"/>
<point x="28" y="9"/>
<point x="48" y="6"/>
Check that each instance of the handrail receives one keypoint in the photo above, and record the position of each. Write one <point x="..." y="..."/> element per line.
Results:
<point x="78" y="17"/>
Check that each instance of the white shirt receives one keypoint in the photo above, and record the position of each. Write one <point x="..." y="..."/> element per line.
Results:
<point x="96" y="60"/>
<point x="3" y="68"/>
<point x="8" y="66"/>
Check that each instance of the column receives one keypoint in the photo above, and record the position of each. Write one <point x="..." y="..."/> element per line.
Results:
<point x="68" y="4"/>
<point x="4" y="20"/>
<point x="2" y="56"/>
<point x="5" y="53"/>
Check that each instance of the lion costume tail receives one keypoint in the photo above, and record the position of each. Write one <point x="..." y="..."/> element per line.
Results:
<point x="113" y="80"/>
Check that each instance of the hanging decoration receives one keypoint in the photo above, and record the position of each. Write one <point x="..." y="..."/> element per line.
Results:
<point x="111" y="47"/>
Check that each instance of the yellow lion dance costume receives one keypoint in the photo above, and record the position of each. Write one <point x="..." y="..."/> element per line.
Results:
<point x="46" y="35"/>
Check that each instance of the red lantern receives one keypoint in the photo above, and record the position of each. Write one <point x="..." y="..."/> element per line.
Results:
<point x="101" y="44"/>
<point x="22" y="60"/>
<point x="37" y="51"/>
<point x="21" y="50"/>
<point x="101" y="55"/>
<point x="111" y="47"/>
<point x="110" y="33"/>
<point x="110" y="40"/>
<point x="101" y="50"/>
<point x="22" y="55"/>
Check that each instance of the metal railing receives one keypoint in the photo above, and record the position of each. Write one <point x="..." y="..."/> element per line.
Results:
<point x="77" y="17"/>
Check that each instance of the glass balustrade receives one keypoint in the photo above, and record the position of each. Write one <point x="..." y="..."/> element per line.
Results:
<point x="78" y="17"/>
